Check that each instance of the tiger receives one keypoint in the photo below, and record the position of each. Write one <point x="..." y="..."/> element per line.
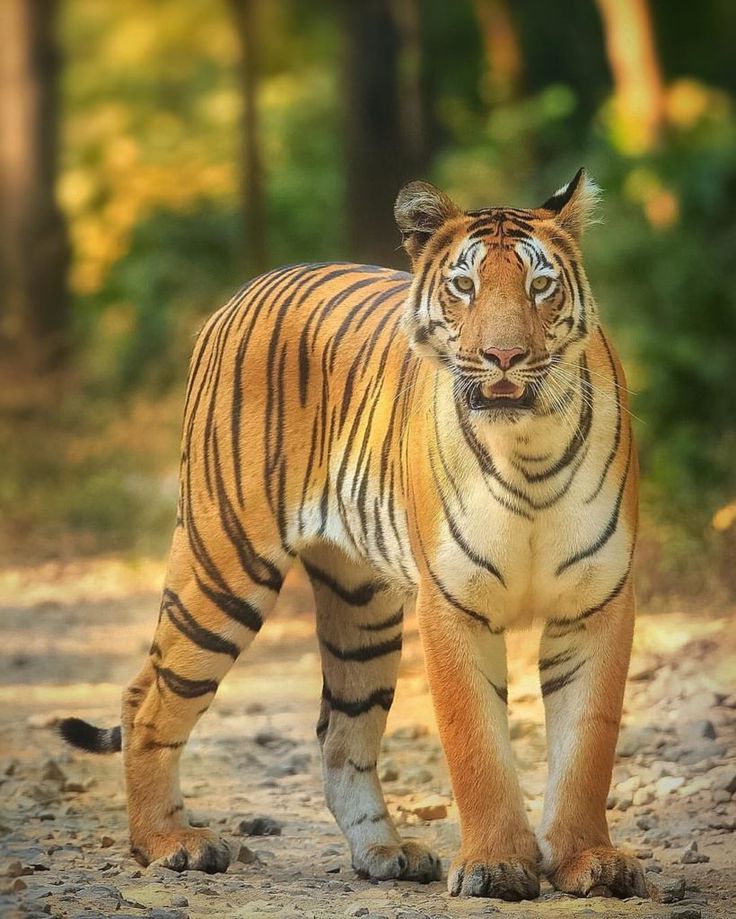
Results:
<point x="455" y="440"/>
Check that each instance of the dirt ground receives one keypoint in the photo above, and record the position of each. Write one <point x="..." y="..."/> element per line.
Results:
<point x="73" y="634"/>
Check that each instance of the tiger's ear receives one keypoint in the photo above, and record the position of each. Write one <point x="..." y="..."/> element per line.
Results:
<point x="574" y="204"/>
<point x="420" y="210"/>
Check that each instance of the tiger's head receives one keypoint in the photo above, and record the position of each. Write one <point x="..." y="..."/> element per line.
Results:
<point x="499" y="296"/>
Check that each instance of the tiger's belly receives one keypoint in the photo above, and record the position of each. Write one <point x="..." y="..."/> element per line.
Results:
<point x="513" y="570"/>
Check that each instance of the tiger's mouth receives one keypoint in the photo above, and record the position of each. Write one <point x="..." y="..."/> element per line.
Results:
<point x="502" y="396"/>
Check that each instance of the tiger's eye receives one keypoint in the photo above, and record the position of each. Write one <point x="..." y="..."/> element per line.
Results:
<point x="541" y="283"/>
<point x="464" y="284"/>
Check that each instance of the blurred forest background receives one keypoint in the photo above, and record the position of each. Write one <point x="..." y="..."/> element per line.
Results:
<point x="153" y="155"/>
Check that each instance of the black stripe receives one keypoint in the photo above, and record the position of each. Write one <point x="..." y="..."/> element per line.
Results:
<point x="379" y="698"/>
<point x="364" y="653"/>
<point x="355" y="596"/>
<point x="501" y="691"/>
<point x="396" y="619"/>
<point x="182" y="620"/>
<point x="609" y="529"/>
<point x="562" y="658"/>
<point x="560" y="682"/>
<point x="234" y="607"/>
<point x="181" y="686"/>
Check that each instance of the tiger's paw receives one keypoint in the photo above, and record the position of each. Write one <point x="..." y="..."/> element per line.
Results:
<point x="409" y="861"/>
<point x="513" y="878"/>
<point x="602" y="872"/>
<point x="189" y="849"/>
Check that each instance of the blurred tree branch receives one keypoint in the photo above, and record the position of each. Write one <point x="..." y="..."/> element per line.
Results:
<point x="504" y="63"/>
<point x="637" y="78"/>
<point x="34" y="248"/>
<point x="253" y="196"/>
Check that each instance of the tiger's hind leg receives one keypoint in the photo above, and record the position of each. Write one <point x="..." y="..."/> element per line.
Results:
<point x="204" y="624"/>
<point x="359" y="624"/>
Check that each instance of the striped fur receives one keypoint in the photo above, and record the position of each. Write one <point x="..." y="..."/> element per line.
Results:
<point x="362" y="420"/>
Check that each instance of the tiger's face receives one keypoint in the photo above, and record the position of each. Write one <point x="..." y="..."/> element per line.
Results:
<point x="499" y="297"/>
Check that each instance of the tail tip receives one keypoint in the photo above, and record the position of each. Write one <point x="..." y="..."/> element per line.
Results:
<point x="87" y="737"/>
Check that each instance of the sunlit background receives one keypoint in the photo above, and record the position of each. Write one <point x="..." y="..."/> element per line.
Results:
<point x="153" y="155"/>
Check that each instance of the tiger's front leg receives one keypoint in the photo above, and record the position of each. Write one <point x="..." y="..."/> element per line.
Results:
<point x="466" y="668"/>
<point x="583" y="670"/>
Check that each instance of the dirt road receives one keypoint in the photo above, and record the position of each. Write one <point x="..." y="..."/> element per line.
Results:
<point x="74" y="634"/>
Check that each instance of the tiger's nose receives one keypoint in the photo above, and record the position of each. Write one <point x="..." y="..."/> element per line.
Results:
<point x="505" y="358"/>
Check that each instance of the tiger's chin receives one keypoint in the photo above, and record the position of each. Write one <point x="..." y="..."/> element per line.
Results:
<point x="500" y="402"/>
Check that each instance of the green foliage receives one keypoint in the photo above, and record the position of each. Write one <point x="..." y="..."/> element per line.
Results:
<point x="150" y="183"/>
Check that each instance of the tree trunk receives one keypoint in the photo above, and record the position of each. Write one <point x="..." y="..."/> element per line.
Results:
<point x="376" y="155"/>
<point x="34" y="249"/>
<point x="632" y="56"/>
<point x="253" y="195"/>
<point x="502" y="52"/>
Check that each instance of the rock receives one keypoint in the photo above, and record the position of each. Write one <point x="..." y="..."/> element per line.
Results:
<point x="664" y="889"/>
<point x="629" y="786"/>
<point x="246" y="856"/>
<point x="643" y="796"/>
<point x="698" y="730"/>
<point x="624" y="802"/>
<point x="691" y="856"/>
<point x="356" y="909"/>
<point x="432" y="807"/>
<point x="643" y="852"/>
<point x="106" y="842"/>
<point x="724" y="779"/>
<point x="418" y="776"/>
<point x="667" y="784"/>
<point x="635" y="739"/>
<point x="388" y="771"/>
<point x="52" y="772"/>
<point x="646" y="822"/>
<point x="643" y="667"/>
<point x="706" y="749"/>
<point x="686" y="912"/>
<point x="259" y="826"/>
<point x="272" y="739"/>
<point x="295" y="764"/>
<point x="179" y="900"/>
<point x="522" y="728"/>
<point x="720" y="796"/>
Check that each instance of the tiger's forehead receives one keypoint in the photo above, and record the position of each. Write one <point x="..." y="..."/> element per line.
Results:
<point x="512" y="234"/>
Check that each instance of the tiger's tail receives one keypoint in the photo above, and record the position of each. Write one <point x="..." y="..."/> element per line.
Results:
<point x="87" y="737"/>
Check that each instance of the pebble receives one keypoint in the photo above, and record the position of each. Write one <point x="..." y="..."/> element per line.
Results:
<point x="664" y="889"/>
<point x="246" y="856"/>
<point x="686" y="912"/>
<point x="635" y="739"/>
<point x="667" y="784"/>
<point x="179" y="900"/>
<point x="725" y="780"/>
<point x="52" y="772"/>
<point x="388" y="771"/>
<point x="259" y="826"/>
<point x="691" y="856"/>
<point x="699" y="730"/>
<point x="643" y="796"/>
<point x="418" y="776"/>
<point x="432" y="807"/>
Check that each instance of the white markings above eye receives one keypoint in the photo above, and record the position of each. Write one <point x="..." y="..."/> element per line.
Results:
<point x="465" y="267"/>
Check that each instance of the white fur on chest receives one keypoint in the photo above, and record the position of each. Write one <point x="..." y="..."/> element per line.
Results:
<point x="544" y="565"/>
